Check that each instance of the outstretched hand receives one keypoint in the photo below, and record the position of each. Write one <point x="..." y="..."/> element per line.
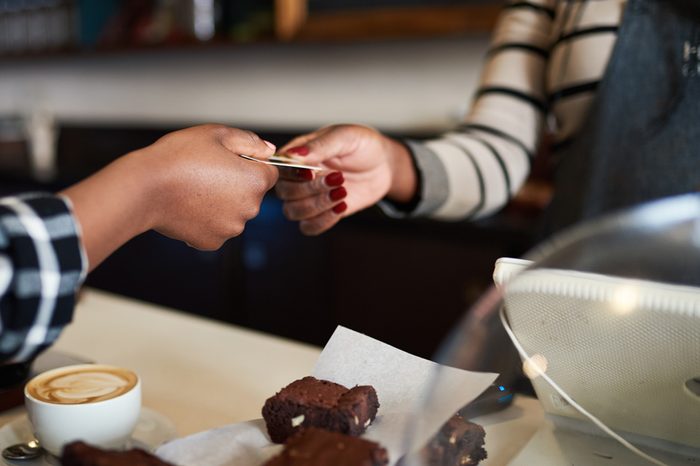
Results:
<point x="190" y="185"/>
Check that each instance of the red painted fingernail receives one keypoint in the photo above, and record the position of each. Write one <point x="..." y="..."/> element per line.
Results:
<point x="300" y="150"/>
<point x="337" y="194"/>
<point x="304" y="175"/>
<point x="335" y="179"/>
<point x="340" y="208"/>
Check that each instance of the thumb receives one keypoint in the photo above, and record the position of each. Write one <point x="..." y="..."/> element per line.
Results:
<point x="245" y="142"/>
<point x="324" y="145"/>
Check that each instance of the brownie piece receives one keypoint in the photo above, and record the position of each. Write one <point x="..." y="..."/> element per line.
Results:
<point x="459" y="442"/>
<point x="82" y="454"/>
<point x="310" y="402"/>
<point x="317" y="447"/>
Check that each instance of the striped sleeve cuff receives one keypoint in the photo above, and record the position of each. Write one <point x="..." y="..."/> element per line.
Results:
<point x="434" y="186"/>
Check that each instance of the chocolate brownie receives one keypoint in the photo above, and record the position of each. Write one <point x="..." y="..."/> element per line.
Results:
<point x="459" y="442"/>
<point x="318" y="447"/>
<point x="82" y="454"/>
<point x="310" y="402"/>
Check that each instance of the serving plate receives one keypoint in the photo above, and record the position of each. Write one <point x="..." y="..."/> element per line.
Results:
<point x="152" y="430"/>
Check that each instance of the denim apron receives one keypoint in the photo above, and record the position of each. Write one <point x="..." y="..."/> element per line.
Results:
<point x="641" y="140"/>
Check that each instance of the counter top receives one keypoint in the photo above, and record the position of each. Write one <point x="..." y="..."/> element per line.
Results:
<point x="204" y="374"/>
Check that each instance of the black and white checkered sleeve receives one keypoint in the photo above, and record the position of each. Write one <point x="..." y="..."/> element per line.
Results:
<point x="41" y="266"/>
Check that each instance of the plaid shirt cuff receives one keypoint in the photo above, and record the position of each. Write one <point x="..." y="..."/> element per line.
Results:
<point x="42" y="264"/>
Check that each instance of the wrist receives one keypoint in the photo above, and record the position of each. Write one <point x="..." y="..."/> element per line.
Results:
<point x="404" y="179"/>
<point x="111" y="206"/>
<point x="145" y="186"/>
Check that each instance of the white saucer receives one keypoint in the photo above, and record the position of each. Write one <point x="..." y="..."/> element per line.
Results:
<point x="152" y="430"/>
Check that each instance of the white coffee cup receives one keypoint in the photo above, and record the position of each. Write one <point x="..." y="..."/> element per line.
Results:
<point x="97" y="404"/>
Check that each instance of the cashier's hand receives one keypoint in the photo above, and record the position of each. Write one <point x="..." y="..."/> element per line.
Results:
<point x="363" y="166"/>
<point x="190" y="185"/>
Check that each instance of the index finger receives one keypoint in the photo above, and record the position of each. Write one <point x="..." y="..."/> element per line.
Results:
<point x="300" y="141"/>
<point x="323" y="145"/>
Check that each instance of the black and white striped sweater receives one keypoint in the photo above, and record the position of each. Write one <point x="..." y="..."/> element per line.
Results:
<point x="542" y="70"/>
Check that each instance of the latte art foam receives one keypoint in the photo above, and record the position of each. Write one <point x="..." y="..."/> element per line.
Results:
<point x="83" y="386"/>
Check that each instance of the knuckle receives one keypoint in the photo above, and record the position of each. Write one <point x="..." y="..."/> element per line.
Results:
<point x="268" y="177"/>
<point x="230" y="229"/>
<point x="310" y="228"/>
<point x="226" y="225"/>
<point x="321" y="202"/>
<point x="215" y="128"/>
<point x="289" y="211"/>
<point x="169" y="136"/>
<point x="318" y="183"/>
<point x="217" y="131"/>
<point x="282" y="190"/>
<point x="208" y="244"/>
<point x="250" y="136"/>
<point x="273" y="176"/>
<point x="259" y="187"/>
<point x="236" y="229"/>
<point x="252" y="211"/>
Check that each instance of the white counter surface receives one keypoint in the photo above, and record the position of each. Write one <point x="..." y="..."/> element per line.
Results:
<point x="204" y="374"/>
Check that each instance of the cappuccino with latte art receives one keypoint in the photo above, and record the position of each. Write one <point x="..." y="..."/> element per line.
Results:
<point x="95" y="403"/>
<point x="80" y="386"/>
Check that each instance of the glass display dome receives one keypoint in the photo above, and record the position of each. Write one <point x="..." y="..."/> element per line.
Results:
<point x="602" y="325"/>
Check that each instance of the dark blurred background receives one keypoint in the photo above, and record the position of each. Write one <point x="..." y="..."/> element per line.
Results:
<point x="83" y="82"/>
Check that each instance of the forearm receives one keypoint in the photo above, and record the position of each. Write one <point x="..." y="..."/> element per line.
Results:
<point x="112" y="206"/>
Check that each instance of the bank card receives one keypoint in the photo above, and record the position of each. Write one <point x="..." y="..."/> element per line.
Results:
<point x="283" y="161"/>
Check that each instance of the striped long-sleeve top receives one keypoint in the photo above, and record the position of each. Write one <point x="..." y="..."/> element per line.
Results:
<point x="542" y="70"/>
<point x="41" y="265"/>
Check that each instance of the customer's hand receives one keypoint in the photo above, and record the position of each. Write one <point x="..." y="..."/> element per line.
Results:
<point x="363" y="165"/>
<point x="206" y="193"/>
<point x="189" y="185"/>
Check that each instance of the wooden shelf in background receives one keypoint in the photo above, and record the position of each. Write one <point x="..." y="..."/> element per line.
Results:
<point x="294" y="22"/>
<point x="391" y="23"/>
<point x="290" y="16"/>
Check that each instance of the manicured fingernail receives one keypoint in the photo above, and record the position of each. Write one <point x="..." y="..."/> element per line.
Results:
<point x="340" y="208"/>
<point x="270" y="145"/>
<point x="304" y="175"/>
<point x="337" y="194"/>
<point x="299" y="150"/>
<point x="335" y="179"/>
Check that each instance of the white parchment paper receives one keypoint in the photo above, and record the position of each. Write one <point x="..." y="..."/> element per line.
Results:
<point x="401" y="380"/>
